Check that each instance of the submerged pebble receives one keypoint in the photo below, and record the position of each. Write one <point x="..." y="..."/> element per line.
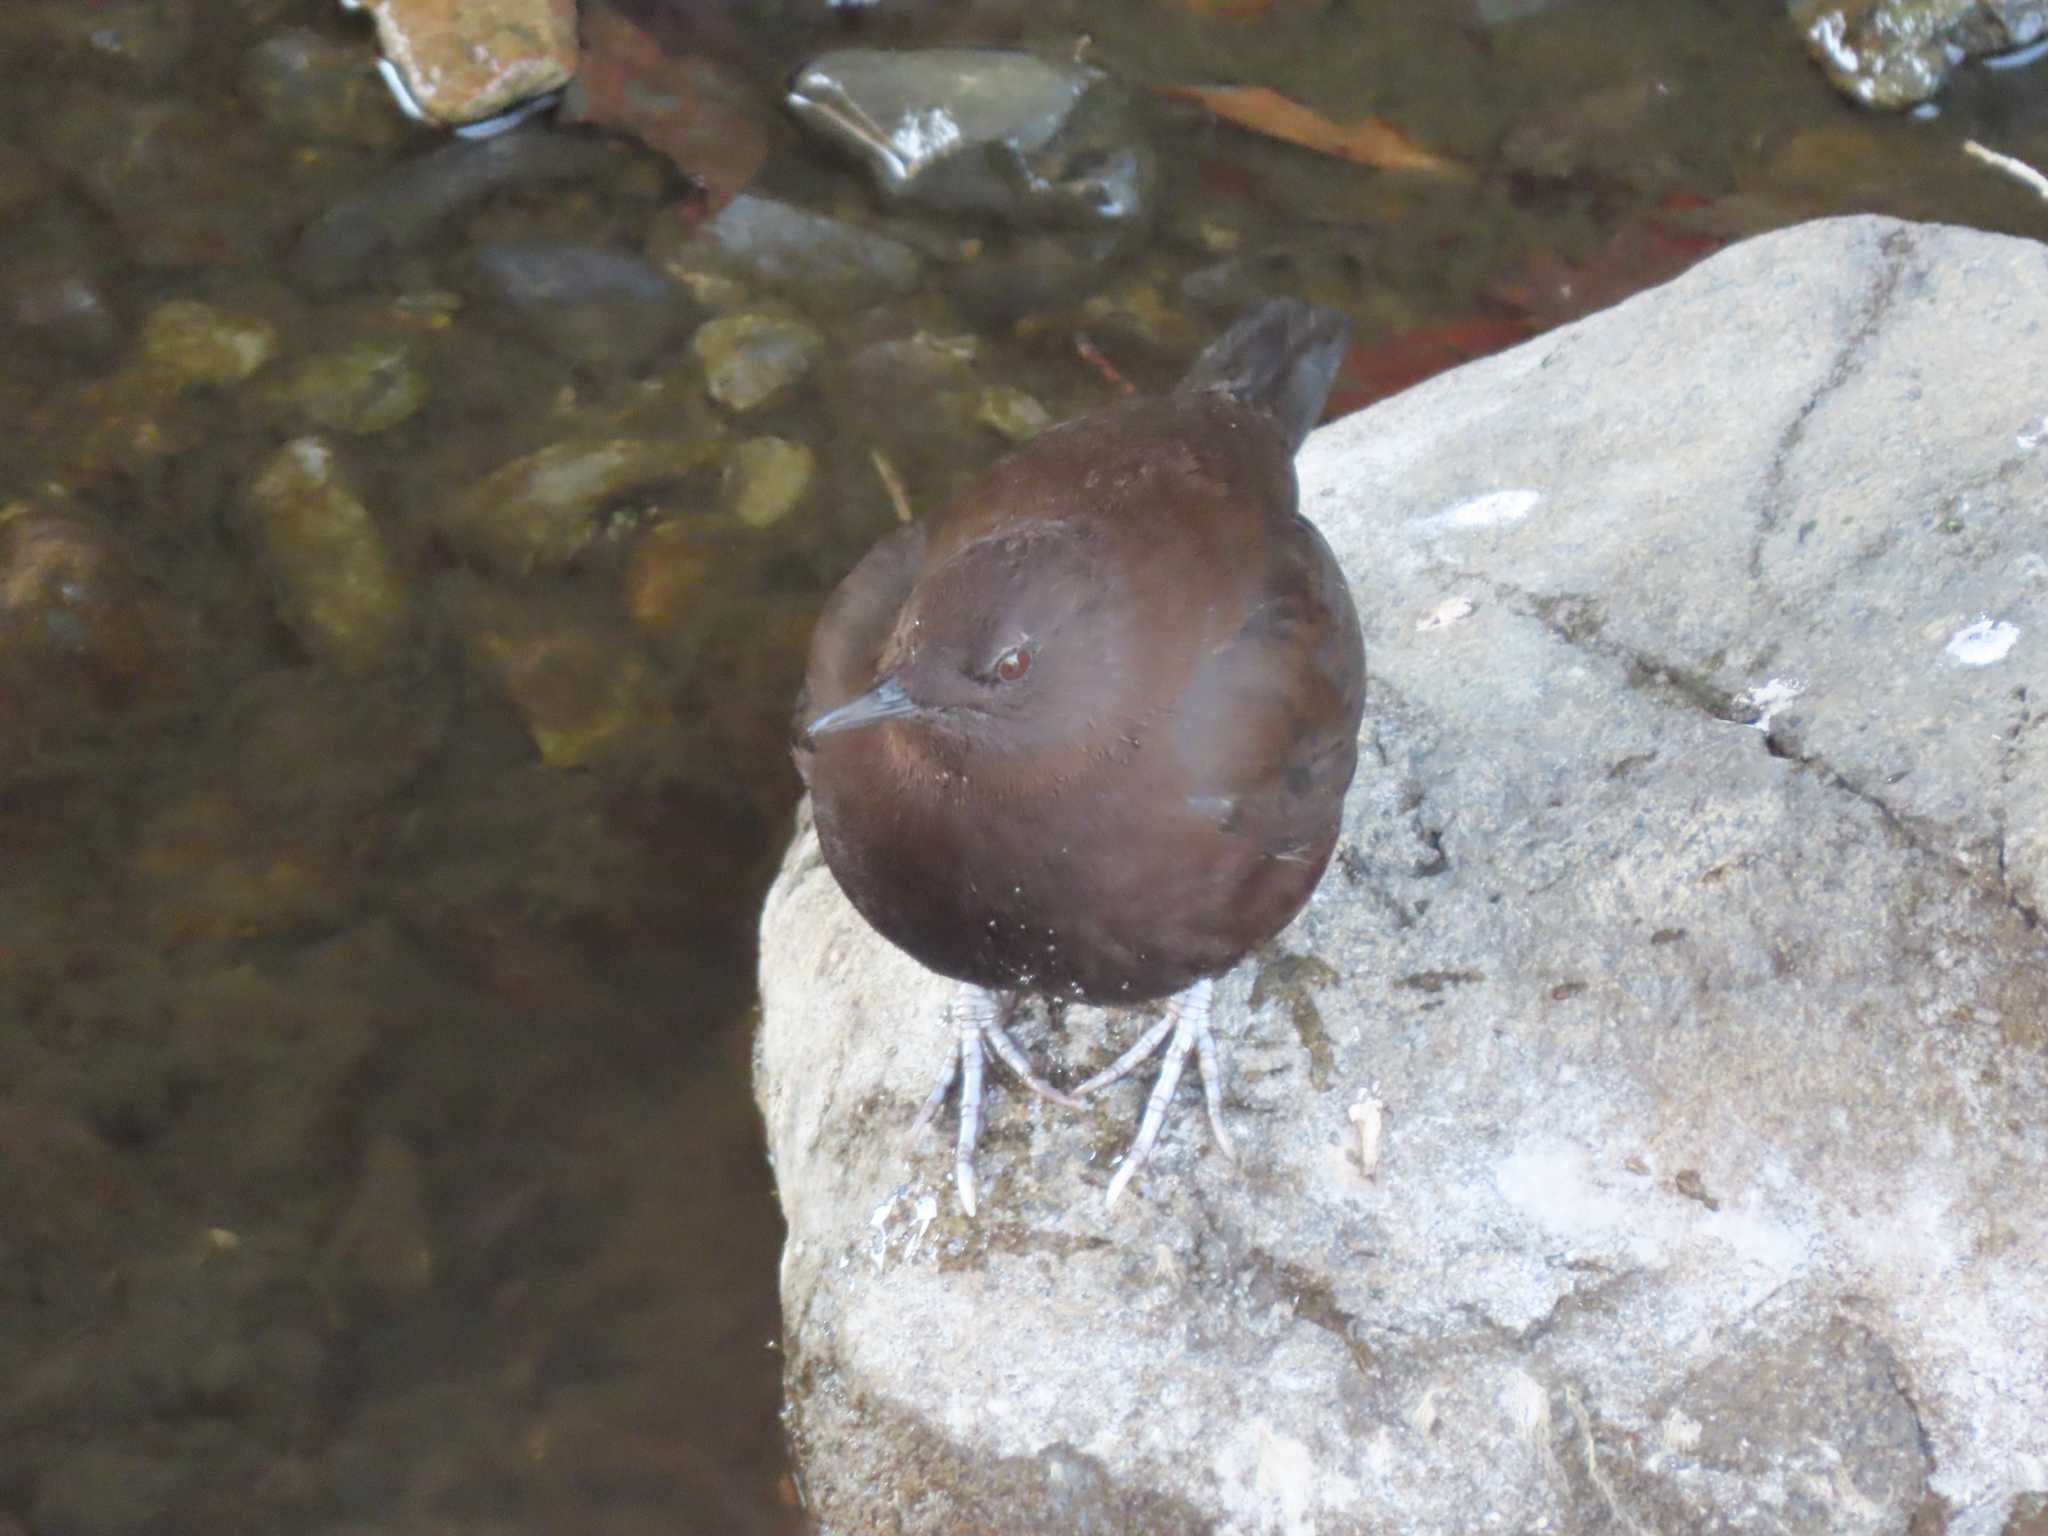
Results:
<point x="339" y="588"/>
<point x="826" y="263"/>
<point x="544" y="508"/>
<point x="1018" y="417"/>
<point x="76" y="624"/>
<point x="591" y="305"/>
<point x="360" y="388"/>
<point x="585" y="693"/>
<point x="310" y="87"/>
<point x="765" y="478"/>
<point x="749" y="359"/>
<point x="188" y="343"/>
<point x="60" y="304"/>
<point x="362" y="238"/>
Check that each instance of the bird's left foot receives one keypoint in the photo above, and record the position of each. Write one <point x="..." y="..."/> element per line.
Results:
<point x="979" y="1015"/>
<point x="1186" y="1020"/>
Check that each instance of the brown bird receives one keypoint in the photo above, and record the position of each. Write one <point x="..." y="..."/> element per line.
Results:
<point x="1087" y="731"/>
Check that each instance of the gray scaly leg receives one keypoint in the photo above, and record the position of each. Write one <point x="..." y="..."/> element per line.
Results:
<point x="979" y="1015"/>
<point x="1187" y="1021"/>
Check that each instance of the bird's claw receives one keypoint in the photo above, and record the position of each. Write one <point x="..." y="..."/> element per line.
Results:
<point x="979" y="1015"/>
<point x="1186" y="1022"/>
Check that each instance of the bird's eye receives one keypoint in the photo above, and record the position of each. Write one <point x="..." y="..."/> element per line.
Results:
<point x="1012" y="664"/>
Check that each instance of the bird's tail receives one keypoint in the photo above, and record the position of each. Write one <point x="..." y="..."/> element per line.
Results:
<point x="1279" y="356"/>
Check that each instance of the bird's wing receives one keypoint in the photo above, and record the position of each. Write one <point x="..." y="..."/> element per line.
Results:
<point x="1267" y="730"/>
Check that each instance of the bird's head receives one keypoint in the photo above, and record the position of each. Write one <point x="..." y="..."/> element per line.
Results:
<point x="1016" y="644"/>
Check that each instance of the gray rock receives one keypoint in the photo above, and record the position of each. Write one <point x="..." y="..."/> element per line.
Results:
<point x="593" y="306"/>
<point x="1646" y="1126"/>
<point x="362" y="238"/>
<point x="981" y="130"/>
<point x="829" y="263"/>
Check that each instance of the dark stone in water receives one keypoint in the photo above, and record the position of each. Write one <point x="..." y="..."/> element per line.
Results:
<point x="592" y="305"/>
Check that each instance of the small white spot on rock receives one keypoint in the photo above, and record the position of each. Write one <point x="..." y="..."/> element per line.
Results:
<point x="2032" y="437"/>
<point x="1680" y="1431"/>
<point x="1527" y="1405"/>
<point x="1447" y="612"/>
<point x="885" y="1231"/>
<point x="1488" y="511"/>
<point x="1286" y="1477"/>
<point x="1423" y="1416"/>
<point x="1982" y="643"/>
<point x="925" y="1212"/>
<point x="1768" y="698"/>
<point x="1366" y="1115"/>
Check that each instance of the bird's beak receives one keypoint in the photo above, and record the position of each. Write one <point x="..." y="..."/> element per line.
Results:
<point x="885" y="701"/>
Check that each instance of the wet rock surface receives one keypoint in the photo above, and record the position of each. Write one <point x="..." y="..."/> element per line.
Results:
<point x="980" y="129"/>
<point x="1898" y="53"/>
<point x="1646" y="1125"/>
<point x="470" y="60"/>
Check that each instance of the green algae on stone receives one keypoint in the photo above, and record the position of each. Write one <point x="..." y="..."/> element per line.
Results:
<point x="1895" y="54"/>
<point x="189" y="343"/>
<point x="544" y="508"/>
<point x="1015" y="415"/>
<point x="339" y="589"/>
<point x="360" y="388"/>
<point x="765" y="478"/>
<point x="750" y="359"/>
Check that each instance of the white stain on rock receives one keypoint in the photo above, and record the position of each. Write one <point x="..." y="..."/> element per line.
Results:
<point x="1982" y="643"/>
<point x="1493" y="510"/>
<point x="1768" y="698"/>
<point x="1445" y="613"/>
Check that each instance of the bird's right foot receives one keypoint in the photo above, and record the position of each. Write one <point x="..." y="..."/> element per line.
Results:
<point x="979" y="1015"/>
<point x="1184" y="1029"/>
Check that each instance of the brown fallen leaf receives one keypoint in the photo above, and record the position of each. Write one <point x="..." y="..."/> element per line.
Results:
<point x="685" y="107"/>
<point x="1364" y="141"/>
